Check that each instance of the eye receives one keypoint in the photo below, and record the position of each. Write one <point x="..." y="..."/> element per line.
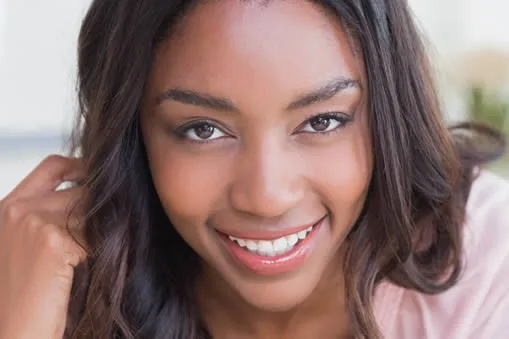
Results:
<point x="202" y="131"/>
<point x="326" y="122"/>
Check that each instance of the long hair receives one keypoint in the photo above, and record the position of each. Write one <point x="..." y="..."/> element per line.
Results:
<point x="410" y="230"/>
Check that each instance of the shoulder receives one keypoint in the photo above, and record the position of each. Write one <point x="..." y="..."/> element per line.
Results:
<point x="487" y="204"/>
<point x="487" y="228"/>
<point x="477" y="307"/>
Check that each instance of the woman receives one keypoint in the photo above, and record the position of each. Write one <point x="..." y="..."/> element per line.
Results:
<point x="273" y="169"/>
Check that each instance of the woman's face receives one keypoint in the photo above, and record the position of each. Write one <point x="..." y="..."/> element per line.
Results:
<point x="255" y="125"/>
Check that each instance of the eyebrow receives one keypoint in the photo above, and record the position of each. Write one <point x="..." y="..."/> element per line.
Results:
<point x="324" y="93"/>
<point x="191" y="97"/>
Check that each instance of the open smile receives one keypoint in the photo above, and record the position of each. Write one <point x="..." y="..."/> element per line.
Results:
<point x="281" y="253"/>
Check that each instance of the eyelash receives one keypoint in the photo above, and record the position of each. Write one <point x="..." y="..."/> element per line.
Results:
<point x="181" y="131"/>
<point x="343" y="119"/>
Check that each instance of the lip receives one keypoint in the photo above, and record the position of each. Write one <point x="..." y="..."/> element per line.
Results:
<point x="270" y="266"/>
<point x="268" y="235"/>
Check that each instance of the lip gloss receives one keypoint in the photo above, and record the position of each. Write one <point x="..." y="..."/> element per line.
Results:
<point x="274" y="265"/>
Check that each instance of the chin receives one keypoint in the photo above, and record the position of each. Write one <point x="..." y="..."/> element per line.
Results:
<point x="277" y="296"/>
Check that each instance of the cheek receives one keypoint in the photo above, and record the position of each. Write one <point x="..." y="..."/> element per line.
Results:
<point x="344" y="175"/>
<point x="189" y="186"/>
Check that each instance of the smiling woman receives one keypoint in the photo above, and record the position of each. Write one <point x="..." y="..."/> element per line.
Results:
<point x="258" y="162"/>
<point x="274" y="169"/>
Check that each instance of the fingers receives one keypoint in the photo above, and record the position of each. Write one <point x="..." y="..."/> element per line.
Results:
<point x="65" y="202"/>
<point x="69" y="202"/>
<point x="62" y="208"/>
<point x="41" y="207"/>
<point x="75" y="254"/>
<point x="41" y="213"/>
<point x="44" y="230"/>
<point x="48" y="175"/>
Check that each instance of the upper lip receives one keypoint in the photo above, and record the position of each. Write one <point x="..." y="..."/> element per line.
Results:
<point x="269" y="235"/>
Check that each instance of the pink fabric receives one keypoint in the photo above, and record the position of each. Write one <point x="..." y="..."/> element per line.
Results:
<point x="478" y="306"/>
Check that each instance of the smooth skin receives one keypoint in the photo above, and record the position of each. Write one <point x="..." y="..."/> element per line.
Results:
<point x="258" y="149"/>
<point x="235" y="142"/>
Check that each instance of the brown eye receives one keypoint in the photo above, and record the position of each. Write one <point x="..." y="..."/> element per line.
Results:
<point x="326" y="122"/>
<point x="320" y="124"/>
<point x="202" y="131"/>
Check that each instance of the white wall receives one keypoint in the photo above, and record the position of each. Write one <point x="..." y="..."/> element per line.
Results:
<point x="487" y="22"/>
<point x="2" y="28"/>
<point x="455" y="26"/>
<point x="442" y="22"/>
<point x="37" y="67"/>
<point x="37" y="63"/>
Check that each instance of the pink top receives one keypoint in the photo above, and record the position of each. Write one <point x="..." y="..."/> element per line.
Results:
<point x="478" y="306"/>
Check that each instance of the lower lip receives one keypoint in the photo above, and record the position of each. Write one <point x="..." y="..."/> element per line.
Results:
<point x="280" y="264"/>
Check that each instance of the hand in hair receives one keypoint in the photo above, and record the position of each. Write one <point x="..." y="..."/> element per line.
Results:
<point x="39" y="250"/>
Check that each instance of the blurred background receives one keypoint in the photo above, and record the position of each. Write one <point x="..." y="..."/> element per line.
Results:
<point x="468" y="41"/>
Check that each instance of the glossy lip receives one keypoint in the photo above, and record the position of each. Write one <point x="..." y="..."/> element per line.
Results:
<point x="268" y="235"/>
<point x="269" y="266"/>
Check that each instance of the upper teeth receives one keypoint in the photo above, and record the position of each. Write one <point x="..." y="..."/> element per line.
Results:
<point x="271" y="248"/>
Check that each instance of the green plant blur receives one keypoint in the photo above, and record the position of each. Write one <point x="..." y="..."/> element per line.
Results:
<point x="493" y="110"/>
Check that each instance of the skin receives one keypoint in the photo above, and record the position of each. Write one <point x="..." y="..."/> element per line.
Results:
<point x="262" y="166"/>
<point x="37" y="253"/>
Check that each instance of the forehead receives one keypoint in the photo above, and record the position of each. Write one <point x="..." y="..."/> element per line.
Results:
<point x="225" y="45"/>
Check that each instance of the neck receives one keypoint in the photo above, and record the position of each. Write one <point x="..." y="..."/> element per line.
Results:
<point x="227" y="315"/>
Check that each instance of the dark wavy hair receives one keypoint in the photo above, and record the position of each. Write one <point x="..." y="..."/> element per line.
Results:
<point x="410" y="230"/>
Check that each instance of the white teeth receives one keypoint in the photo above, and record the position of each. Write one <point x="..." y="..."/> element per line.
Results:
<point x="251" y="245"/>
<point x="292" y="240"/>
<point x="265" y="248"/>
<point x="272" y="248"/>
<point x="302" y="234"/>
<point x="279" y="246"/>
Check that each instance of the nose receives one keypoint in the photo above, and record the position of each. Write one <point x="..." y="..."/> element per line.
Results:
<point x="268" y="181"/>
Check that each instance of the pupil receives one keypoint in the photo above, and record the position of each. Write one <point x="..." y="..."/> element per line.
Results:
<point x="320" y="124"/>
<point x="204" y="131"/>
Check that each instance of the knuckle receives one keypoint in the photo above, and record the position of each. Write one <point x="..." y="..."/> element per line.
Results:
<point x="11" y="211"/>
<point x="53" y="160"/>
<point x="33" y="221"/>
<point x="50" y="238"/>
<point x="32" y="225"/>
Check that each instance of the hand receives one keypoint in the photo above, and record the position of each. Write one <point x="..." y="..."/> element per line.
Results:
<point x="37" y="253"/>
